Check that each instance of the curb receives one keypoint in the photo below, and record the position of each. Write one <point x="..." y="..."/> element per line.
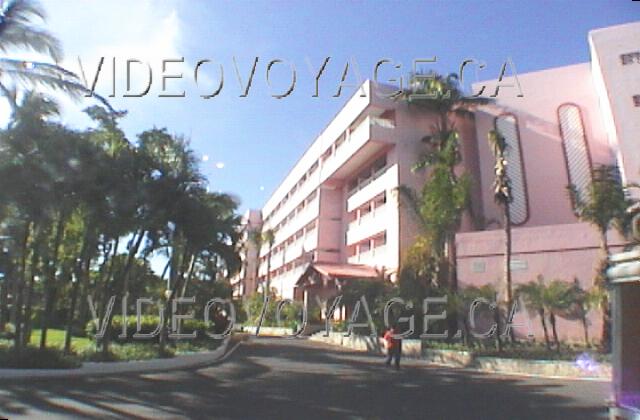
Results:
<point x="477" y="365"/>
<point x="93" y="369"/>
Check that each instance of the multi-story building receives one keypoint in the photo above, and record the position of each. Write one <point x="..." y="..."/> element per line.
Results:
<point x="338" y="214"/>
<point x="339" y="204"/>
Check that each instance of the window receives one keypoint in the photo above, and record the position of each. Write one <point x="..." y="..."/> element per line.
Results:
<point x="379" y="164"/>
<point x="507" y="125"/>
<point x="629" y="58"/>
<point x="574" y="145"/>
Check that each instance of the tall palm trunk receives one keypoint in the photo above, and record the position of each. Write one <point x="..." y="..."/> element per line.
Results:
<point x="81" y="275"/>
<point x="133" y="251"/>
<point x="107" y="281"/>
<point x="507" y="263"/>
<point x="50" y="286"/>
<point x="18" y="289"/>
<point x="177" y="272"/>
<point x="35" y="259"/>
<point x="192" y="266"/>
<point x="604" y="303"/>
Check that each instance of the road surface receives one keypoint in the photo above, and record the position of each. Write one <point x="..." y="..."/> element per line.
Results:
<point x="270" y="378"/>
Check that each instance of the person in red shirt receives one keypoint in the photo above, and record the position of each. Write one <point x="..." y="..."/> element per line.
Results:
<point x="394" y="348"/>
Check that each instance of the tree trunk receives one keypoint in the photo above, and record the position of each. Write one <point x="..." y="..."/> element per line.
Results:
<point x="192" y="266"/>
<point x="50" y="285"/>
<point x="177" y="272"/>
<point x="600" y="280"/>
<point x="585" y="326"/>
<point x="507" y="263"/>
<point x="35" y="258"/>
<point x="4" y="306"/>
<point x="544" y="328"/>
<point x="81" y="274"/>
<point x="133" y="251"/>
<point x="107" y="280"/>
<point x="552" y="320"/>
<point x="18" y="289"/>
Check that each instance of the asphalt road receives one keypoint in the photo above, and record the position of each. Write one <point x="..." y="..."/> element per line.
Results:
<point x="266" y="378"/>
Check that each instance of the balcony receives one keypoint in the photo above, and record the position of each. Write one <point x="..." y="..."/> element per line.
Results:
<point x="368" y="225"/>
<point x="383" y="180"/>
<point x="365" y="141"/>
<point x="374" y="257"/>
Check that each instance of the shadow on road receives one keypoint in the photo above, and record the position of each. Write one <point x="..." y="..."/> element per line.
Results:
<point x="280" y="379"/>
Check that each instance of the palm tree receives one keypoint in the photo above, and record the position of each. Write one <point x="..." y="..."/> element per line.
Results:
<point x="532" y="294"/>
<point x="28" y="179"/>
<point x="553" y="300"/>
<point x="502" y="196"/>
<point x="444" y="96"/>
<point x="581" y="302"/>
<point x="18" y="30"/>
<point x="604" y="205"/>
<point x="268" y="237"/>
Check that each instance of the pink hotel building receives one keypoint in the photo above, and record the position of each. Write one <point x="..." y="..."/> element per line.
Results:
<point x="337" y="214"/>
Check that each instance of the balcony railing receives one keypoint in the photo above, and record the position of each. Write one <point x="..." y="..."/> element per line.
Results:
<point x="370" y="257"/>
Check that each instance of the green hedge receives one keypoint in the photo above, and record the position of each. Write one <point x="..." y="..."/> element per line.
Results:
<point x="149" y="323"/>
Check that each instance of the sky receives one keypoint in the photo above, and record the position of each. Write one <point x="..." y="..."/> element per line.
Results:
<point x="248" y="144"/>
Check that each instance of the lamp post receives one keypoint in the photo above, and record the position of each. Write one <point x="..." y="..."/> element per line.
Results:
<point x="624" y="280"/>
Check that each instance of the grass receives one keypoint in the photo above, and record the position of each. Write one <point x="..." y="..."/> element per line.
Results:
<point x="55" y="339"/>
<point x="84" y="349"/>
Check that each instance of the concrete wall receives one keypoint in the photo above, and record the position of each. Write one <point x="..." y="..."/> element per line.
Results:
<point x="540" y="139"/>
<point x="561" y="252"/>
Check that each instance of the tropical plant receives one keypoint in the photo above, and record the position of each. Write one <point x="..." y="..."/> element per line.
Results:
<point x="19" y="31"/>
<point x="445" y="195"/>
<point x="548" y="301"/>
<point x="603" y="205"/>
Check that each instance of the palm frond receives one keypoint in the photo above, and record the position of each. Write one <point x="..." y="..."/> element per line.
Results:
<point x="51" y="76"/>
<point x="17" y="29"/>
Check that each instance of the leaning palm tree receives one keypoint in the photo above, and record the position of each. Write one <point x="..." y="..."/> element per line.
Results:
<point x="19" y="31"/>
<point x="503" y="197"/>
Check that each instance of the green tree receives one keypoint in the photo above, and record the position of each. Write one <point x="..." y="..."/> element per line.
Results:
<point x="445" y="195"/>
<point x="603" y="205"/>
<point x="551" y="300"/>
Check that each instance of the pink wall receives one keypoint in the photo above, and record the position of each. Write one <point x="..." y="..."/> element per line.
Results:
<point x="560" y="252"/>
<point x="544" y="162"/>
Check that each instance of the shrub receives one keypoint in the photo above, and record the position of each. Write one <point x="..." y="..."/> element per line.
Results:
<point x="290" y="316"/>
<point x="148" y="324"/>
<point x="34" y="358"/>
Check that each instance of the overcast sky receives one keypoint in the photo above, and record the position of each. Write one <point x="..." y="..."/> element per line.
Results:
<point x="247" y="145"/>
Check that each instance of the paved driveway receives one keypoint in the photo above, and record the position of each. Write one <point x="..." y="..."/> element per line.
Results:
<point x="267" y="378"/>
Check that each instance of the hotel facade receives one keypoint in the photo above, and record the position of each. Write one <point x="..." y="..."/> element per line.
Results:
<point x="338" y="214"/>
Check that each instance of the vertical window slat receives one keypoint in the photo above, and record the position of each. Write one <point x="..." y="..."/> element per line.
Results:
<point x="507" y="125"/>
<point x="574" y="145"/>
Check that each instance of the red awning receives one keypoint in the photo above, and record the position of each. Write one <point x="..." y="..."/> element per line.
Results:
<point x="346" y="270"/>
